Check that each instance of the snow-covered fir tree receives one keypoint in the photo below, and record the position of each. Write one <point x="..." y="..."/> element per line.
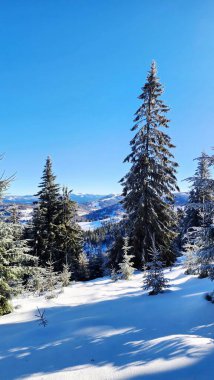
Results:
<point x="51" y="279"/>
<point x="15" y="262"/>
<point x="191" y="263"/>
<point x="36" y="281"/>
<point x="65" y="276"/>
<point x="126" y="266"/>
<point x="149" y="185"/>
<point x="197" y="208"/>
<point x="154" y="279"/>
<point x="205" y="255"/>
<point x="194" y="241"/>
<point x="14" y="214"/>
<point x="199" y="238"/>
<point x="83" y="267"/>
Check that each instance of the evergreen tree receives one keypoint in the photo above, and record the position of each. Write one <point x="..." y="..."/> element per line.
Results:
<point x="12" y="254"/>
<point x="126" y="267"/>
<point x="51" y="279"/>
<point x="14" y="214"/>
<point x="36" y="281"/>
<point x="65" y="275"/>
<point x="69" y="235"/>
<point x="205" y="255"/>
<point x="15" y="262"/>
<point x="45" y="226"/>
<point x="114" y="275"/>
<point x="154" y="278"/>
<point x="115" y="252"/>
<point x="198" y="206"/>
<point x="148" y="187"/>
<point x="44" y="280"/>
<point x="191" y="263"/>
<point x="178" y="242"/>
<point x="55" y="230"/>
<point x="199" y="238"/>
<point x="82" y="271"/>
<point x="96" y="262"/>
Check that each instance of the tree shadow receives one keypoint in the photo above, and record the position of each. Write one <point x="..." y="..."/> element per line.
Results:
<point x="120" y="332"/>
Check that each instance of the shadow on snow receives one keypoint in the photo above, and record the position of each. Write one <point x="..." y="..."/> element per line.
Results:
<point x="133" y="330"/>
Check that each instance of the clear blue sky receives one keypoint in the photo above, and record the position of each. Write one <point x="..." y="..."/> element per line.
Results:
<point x="70" y="74"/>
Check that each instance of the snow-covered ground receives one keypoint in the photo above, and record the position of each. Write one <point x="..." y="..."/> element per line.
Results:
<point x="103" y="330"/>
<point x="98" y="223"/>
<point x="26" y="215"/>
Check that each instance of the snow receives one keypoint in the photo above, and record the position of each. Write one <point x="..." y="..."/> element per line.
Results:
<point x="112" y="330"/>
<point x="26" y="214"/>
<point x="98" y="223"/>
<point x="90" y="225"/>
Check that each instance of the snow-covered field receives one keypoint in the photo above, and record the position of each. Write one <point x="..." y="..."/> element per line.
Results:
<point x="98" y="223"/>
<point x="103" y="330"/>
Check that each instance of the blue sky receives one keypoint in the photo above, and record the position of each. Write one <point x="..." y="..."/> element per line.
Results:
<point x="70" y="74"/>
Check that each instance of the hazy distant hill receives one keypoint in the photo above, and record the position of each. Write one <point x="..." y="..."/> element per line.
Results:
<point x="20" y="199"/>
<point x="94" y="200"/>
<point x="79" y="198"/>
<point x="92" y="207"/>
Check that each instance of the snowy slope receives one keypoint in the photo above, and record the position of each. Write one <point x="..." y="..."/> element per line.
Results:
<point x="102" y="330"/>
<point x="98" y="223"/>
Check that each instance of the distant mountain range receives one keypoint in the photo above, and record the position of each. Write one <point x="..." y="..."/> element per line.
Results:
<point x="20" y="199"/>
<point x="111" y="207"/>
<point x="91" y="207"/>
<point x="78" y="197"/>
<point x="96" y="201"/>
<point x="93" y="201"/>
<point x="181" y="199"/>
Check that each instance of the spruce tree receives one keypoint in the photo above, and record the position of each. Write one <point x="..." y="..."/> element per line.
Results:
<point x="149" y="185"/>
<point x="154" y="279"/>
<point x="197" y="208"/>
<point x="65" y="276"/>
<point x="36" y="281"/>
<point x="82" y="269"/>
<point x="199" y="237"/>
<point x="51" y="279"/>
<point x="126" y="266"/>
<point x="69" y="235"/>
<point x="191" y="263"/>
<point x="15" y="262"/>
<point x="14" y="214"/>
<point x="45" y="217"/>
<point x="96" y="262"/>
<point x="56" y="233"/>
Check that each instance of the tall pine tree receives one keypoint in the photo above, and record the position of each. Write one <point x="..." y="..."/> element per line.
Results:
<point x="149" y="185"/>
<point x="45" y="217"/>
<point x="56" y="234"/>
